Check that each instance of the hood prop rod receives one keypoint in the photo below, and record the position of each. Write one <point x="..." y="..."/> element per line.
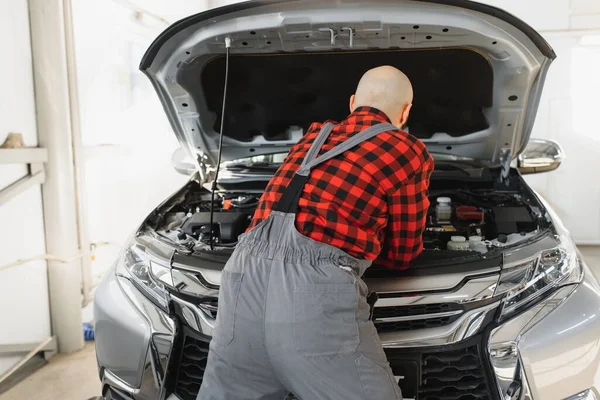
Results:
<point x="214" y="184"/>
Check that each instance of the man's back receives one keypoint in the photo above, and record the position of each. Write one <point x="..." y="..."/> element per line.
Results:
<point x="294" y="315"/>
<point x="370" y="202"/>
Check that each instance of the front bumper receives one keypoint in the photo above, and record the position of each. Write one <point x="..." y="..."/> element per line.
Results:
<point x="551" y="350"/>
<point x="560" y="347"/>
<point x="134" y="340"/>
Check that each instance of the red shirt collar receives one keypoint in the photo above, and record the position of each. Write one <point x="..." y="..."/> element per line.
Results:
<point x="371" y="112"/>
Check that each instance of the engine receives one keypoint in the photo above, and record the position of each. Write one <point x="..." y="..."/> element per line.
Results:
<point x="457" y="220"/>
<point x="190" y="225"/>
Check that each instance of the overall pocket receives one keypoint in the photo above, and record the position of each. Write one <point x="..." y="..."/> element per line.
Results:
<point x="325" y="319"/>
<point x="228" y="298"/>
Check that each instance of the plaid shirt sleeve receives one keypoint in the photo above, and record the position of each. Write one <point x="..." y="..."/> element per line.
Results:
<point x="407" y="208"/>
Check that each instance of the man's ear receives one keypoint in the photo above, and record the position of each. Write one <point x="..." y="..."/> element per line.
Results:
<point x="351" y="104"/>
<point x="405" y="114"/>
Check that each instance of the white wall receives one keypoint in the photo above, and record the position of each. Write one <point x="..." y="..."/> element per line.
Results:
<point x="567" y="114"/>
<point x="569" y="107"/>
<point x="553" y="15"/>
<point x="24" y="289"/>
<point x="127" y="139"/>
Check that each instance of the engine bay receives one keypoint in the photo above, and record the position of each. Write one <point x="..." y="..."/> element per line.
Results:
<point x="468" y="218"/>
<point x="188" y="223"/>
<point x="476" y="220"/>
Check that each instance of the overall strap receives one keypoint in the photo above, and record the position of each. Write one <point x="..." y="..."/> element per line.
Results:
<point x="355" y="140"/>
<point x="314" y="149"/>
<point x="289" y="200"/>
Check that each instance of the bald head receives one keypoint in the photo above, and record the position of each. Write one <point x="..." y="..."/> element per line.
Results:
<point x="387" y="89"/>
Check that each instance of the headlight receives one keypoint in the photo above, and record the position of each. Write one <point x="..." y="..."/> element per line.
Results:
<point x="148" y="275"/>
<point x="525" y="282"/>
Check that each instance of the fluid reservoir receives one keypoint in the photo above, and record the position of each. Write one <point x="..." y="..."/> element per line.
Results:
<point x="476" y="244"/>
<point x="443" y="210"/>
<point x="458" y="243"/>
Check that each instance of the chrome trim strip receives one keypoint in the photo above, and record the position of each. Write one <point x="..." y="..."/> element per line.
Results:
<point x="208" y="307"/>
<point x="418" y="317"/>
<point x="211" y="277"/>
<point x="473" y="290"/>
<point x="527" y="392"/>
<point x="113" y="380"/>
<point x="416" y="284"/>
<point x="585" y="395"/>
<point x="158" y="320"/>
<point x="463" y="328"/>
<point x="190" y="282"/>
<point x="202" y="319"/>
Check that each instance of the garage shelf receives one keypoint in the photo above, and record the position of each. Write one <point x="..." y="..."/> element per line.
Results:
<point x="34" y="157"/>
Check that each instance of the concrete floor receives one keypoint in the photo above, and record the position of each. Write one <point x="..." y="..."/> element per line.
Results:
<point x="75" y="377"/>
<point x="66" y="377"/>
<point x="591" y="254"/>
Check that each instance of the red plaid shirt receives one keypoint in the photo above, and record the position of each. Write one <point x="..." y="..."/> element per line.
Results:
<point x="371" y="201"/>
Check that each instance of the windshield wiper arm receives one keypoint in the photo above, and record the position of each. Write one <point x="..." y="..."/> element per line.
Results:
<point x="253" y="165"/>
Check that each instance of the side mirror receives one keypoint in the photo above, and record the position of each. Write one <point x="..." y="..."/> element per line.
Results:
<point x="182" y="162"/>
<point x="540" y="155"/>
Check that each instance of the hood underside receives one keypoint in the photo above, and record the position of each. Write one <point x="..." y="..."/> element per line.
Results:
<point x="477" y="73"/>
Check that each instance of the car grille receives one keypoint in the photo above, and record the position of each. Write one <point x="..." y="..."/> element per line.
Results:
<point x="192" y="364"/>
<point x="210" y="308"/>
<point x="421" y="310"/>
<point x="454" y="372"/>
<point x="453" y="375"/>
<point x="413" y="325"/>
<point x="418" y="309"/>
<point x="445" y="375"/>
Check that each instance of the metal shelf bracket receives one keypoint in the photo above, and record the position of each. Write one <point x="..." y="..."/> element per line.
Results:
<point x="35" y="158"/>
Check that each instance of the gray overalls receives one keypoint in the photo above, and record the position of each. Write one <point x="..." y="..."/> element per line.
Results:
<point x="293" y="315"/>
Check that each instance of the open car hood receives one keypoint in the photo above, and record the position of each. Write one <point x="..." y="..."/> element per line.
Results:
<point x="477" y="73"/>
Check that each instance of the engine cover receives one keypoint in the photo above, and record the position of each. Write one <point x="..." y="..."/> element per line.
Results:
<point x="228" y="225"/>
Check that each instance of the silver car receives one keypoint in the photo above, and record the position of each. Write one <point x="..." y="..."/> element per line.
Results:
<point x="508" y="310"/>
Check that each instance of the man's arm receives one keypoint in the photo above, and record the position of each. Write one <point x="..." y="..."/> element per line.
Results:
<point x="407" y="219"/>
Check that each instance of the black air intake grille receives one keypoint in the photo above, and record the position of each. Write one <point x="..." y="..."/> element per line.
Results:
<point x="383" y="327"/>
<point x="417" y="309"/>
<point x="446" y="375"/>
<point x="413" y="311"/>
<point x="453" y="375"/>
<point x="191" y="368"/>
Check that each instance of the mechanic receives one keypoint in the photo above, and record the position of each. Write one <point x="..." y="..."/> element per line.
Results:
<point x="293" y="311"/>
